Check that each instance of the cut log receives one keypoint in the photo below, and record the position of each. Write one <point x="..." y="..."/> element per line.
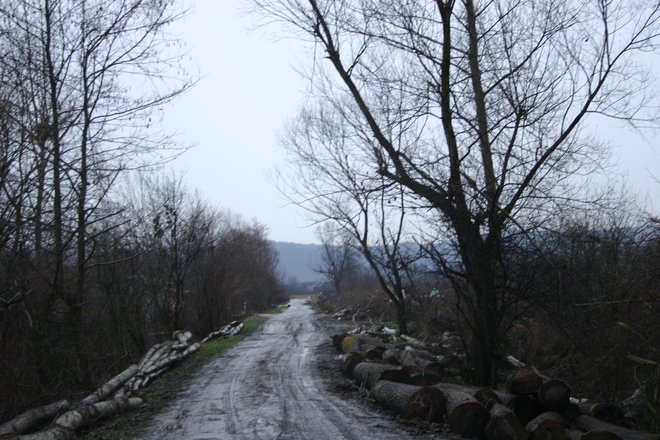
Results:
<point x="66" y="425"/>
<point x="350" y="361"/>
<point x="236" y="329"/>
<point x="465" y="414"/>
<point x="423" y="362"/>
<point x="637" y="405"/>
<point x="170" y="359"/>
<point x="153" y="370"/>
<point x="588" y="423"/>
<point x="514" y="362"/>
<point x="147" y="356"/>
<point x="504" y="425"/>
<point x="360" y="342"/>
<point x="602" y="411"/>
<point x="597" y="434"/>
<point x="110" y="386"/>
<point x="554" y="395"/>
<point x="368" y="373"/>
<point x="160" y="352"/>
<point x="391" y="356"/>
<point x="32" y="419"/>
<point x="574" y="434"/>
<point x="524" y="407"/>
<point x="487" y="397"/>
<point x="524" y="380"/>
<point x="182" y="337"/>
<point x="412" y="341"/>
<point x="427" y="403"/>
<point x="337" y="339"/>
<point x="547" y="426"/>
<point x="191" y="349"/>
<point x="373" y="352"/>
<point x="150" y="378"/>
<point x="350" y="344"/>
<point x="571" y="413"/>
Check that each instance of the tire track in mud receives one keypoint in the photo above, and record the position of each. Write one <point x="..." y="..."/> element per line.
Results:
<point x="268" y="387"/>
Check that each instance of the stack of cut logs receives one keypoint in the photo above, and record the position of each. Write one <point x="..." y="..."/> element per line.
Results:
<point x="404" y="377"/>
<point x="113" y="396"/>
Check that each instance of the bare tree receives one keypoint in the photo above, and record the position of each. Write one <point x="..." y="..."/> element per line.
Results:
<point x="490" y="99"/>
<point x="337" y="256"/>
<point x="367" y="212"/>
<point x="69" y="67"/>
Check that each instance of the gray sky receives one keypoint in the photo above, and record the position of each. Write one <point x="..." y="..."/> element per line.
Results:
<point x="249" y="88"/>
<point x="247" y="92"/>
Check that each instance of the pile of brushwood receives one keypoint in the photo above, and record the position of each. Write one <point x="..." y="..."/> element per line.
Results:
<point x="403" y="375"/>
<point x="118" y="394"/>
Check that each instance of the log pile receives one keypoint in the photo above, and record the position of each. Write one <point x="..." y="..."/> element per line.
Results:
<point x="158" y="359"/>
<point x="412" y="381"/>
<point x="116" y="395"/>
<point x="232" y="329"/>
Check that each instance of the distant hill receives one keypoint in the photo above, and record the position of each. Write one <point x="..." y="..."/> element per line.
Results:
<point x="298" y="260"/>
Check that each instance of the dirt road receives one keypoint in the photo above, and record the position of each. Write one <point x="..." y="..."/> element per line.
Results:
<point x="268" y="387"/>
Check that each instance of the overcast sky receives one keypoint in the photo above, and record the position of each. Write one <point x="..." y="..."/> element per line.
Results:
<point x="248" y="90"/>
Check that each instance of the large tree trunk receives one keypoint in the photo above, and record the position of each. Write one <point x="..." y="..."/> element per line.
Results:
<point x="411" y="400"/>
<point x="524" y="380"/>
<point x="554" y="395"/>
<point x="465" y="414"/>
<point x="504" y="425"/>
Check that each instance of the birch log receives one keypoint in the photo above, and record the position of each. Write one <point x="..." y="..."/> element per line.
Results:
<point x="111" y="386"/>
<point x="66" y="425"/>
<point x="34" y="418"/>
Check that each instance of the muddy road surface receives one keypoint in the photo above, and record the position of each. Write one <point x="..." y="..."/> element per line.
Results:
<point x="270" y="387"/>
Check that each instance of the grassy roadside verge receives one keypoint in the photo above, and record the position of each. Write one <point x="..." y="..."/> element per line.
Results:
<point x="126" y="426"/>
